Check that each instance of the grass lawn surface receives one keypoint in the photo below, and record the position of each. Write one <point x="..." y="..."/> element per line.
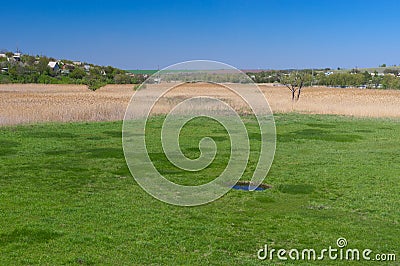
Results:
<point x="67" y="196"/>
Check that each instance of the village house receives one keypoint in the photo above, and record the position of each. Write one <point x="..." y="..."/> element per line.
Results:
<point x="17" y="57"/>
<point x="54" y="66"/>
<point x="377" y="74"/>
<point x="68" y="67"/>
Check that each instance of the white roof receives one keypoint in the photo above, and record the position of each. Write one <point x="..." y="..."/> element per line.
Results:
<point x="52" y="64"/>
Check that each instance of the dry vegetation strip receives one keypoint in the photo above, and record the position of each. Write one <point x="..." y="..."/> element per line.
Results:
<point x="351" y="102"/>
<point x="46" y="103"/>
<point x="29" y="103"/>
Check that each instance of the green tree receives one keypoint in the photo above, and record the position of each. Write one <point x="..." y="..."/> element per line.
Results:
<point x="122" y="79"/>
<point x="78" y="73"/>
<point x="376" y="80"/>
<point x="28" y="59"/>
<point x="93" y="83"/>
<point x="390" y="82"/>
<point x="42" y="66"/>
<point x="391" y="71"/>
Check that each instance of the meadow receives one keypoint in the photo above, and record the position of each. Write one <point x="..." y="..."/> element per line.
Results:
<point x="67" y="196"/>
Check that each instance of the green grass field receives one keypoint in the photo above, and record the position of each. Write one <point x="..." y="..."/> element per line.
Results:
<point x="142" y="72"/>
<point x="67" y="196"/>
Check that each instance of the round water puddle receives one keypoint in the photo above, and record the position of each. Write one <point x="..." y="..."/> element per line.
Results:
<point x="247" y="186"/>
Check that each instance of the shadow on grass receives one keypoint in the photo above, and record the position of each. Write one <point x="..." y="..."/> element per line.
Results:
<point x="54" y="134"/>
<point x="318" y="134"/>
<point x="9" y="144"/>
<point x="105" y="153"/>
<point x="58" y="152"/>
<point x="296" y="189"/>
<point x="114" y="134"/>
<point x="27" y="236"/>
<point x="321" y="125"/>
<point x="364" y="131"/>
<point x="7" y="147"/>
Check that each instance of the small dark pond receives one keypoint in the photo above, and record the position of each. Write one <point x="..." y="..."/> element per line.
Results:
<point x="247" y="187"/>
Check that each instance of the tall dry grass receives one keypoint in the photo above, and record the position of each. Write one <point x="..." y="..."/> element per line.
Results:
<point x="31" y="103"/>
<point x="350" y="102"/>
<point x="64" y="103"/>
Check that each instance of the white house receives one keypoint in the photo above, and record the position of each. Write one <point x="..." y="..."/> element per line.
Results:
<point x="377" y="74"/>
<point x="54" y="66"/>
<point x="17" y="57"/>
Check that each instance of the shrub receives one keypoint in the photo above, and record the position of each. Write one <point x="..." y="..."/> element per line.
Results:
<point x="77" y="73"/>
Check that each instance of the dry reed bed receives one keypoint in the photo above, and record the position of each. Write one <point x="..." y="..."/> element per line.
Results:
<point x="351" y="102"/>
<point x="47" y="103"/>
<point x="30" y="103"/>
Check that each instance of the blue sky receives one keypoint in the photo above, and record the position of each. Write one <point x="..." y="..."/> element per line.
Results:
<point x="246" y="34"/>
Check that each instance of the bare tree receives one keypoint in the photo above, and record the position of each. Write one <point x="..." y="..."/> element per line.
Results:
<point x="295" y="81"/>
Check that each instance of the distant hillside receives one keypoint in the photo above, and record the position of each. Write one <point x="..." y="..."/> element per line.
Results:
<point x="23" y="68"/>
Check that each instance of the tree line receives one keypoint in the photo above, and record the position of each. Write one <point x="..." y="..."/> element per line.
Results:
<point x="35" y="69"/>
<point x="325" y="77"/>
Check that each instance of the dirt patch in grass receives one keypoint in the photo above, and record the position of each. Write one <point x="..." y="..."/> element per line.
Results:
<point x="248" y="183"/>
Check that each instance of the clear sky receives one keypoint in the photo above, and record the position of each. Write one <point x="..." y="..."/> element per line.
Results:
<point x="246" y="34"/>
